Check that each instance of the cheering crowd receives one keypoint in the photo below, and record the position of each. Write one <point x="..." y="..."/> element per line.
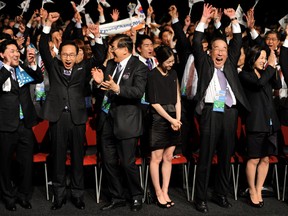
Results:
<point x="150" y="87"/>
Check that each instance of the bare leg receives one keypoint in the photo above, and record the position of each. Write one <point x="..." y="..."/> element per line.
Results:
<point x="166" y="171"/>
<point x="262" y="171"/>
<point x="251" y="173"/>
<point x="156" y="158"/>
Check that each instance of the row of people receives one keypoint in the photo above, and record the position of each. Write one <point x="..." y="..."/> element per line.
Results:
<point x="211" y="77"/>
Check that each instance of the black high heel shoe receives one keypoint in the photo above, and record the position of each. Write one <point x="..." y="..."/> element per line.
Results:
<point x="255" y="205"/>
<point x="171" y="203"/>
<point x="261" y="203"/>
<point x="165" y="205"/>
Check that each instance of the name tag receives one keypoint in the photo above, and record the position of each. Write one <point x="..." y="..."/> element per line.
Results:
<point x="219" y="102"/>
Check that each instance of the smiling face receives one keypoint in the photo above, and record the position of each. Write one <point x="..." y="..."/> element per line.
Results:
<point x="68" y="56"/>
<point x="11" y="55"/>
<point x="260" y="62"/>
<point x="219" y="53"/>
<point x="167" y="65"/>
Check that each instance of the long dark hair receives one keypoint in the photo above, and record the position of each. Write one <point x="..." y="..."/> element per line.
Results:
<point x="163" y="53"/>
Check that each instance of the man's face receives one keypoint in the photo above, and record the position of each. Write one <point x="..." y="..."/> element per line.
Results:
<point x="272" y="41"/>
<point x="146" y="49"/>
<point x="219" y="53"/>
<point x="11" y="55"/>
<point x="120" y="53"/>
<point x="68" y="56"/>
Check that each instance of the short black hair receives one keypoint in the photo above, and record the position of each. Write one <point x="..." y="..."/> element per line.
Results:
<point x="5" y="43"/>
<point x="68" y="42"/>
<point x="141" y="38"/>
<point x="163" y="52"/>
<point x="123" y="41"/>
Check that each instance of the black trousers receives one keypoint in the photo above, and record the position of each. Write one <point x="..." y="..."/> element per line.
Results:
<point x="63" y="133"/>
<point x="20" y="142"/>
<point x="116" y="153"/>
<point x="217" y="132"/>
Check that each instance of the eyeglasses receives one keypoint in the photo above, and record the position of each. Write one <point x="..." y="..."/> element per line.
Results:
<point x="112" y="48"/>
<point x="272" y="39"/>
<point x="219" y="50"/>
<point x="66" y="55"/>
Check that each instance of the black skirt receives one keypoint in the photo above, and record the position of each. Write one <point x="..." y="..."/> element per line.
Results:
<point x="161" y="134"/>
<point x="261" y="144"/>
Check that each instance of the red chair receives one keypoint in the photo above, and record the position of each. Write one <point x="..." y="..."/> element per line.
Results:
<point x="195" y="159"/>
<point x="40" y="131"/>
<point x="284" y="130"/>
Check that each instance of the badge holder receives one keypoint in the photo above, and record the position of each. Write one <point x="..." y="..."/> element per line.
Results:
<point x="219" y="102"/>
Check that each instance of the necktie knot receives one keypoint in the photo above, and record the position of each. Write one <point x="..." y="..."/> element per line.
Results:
<point x="67" y="72"/>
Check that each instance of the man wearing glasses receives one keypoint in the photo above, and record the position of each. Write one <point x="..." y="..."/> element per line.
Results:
<point x="65" y="109"/>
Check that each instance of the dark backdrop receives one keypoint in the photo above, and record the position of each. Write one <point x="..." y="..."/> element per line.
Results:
<point x="267" y="12"/>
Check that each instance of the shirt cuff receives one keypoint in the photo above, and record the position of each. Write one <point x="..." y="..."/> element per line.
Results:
<point x="200" y="27"/>
<point x="78" y="25"/>
<point x="46" y="29"/>
<point x="28" y="25"/>
<point x="16" y="25"/>
<point x="175" y="20"/>
<point x="285" y="43"/>
<point x="217" y="25"/>
<point x="236" y="28"/>
<point x="99" y="40"/>
<point x="33" y="67"/>
<point x="254" y="34"/>
<point x="102" y="19"/>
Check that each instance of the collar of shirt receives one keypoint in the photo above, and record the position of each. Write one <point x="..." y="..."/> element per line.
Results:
<point x="8" y="67"/>
<point x="124" y="62"/>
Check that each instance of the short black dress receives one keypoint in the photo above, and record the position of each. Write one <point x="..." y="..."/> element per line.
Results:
<point x="162" y="90"/>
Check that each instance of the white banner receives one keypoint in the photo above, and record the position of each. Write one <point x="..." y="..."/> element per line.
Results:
<point x="121" y="26"/>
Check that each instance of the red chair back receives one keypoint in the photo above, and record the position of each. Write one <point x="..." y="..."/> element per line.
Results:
<point x="284" y="130"/>
<point x="40" y="130"/>
<point x="90" y="132"/>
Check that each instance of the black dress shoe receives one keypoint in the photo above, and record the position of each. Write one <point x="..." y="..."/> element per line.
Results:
<point x="58" y="205"/>
<point x="11" y="207"/>
<point x="113" y="204"/>
<point x="136" y="205"/>
<point x="201" y="206"/>
<point x="24" y="204"/>
<point x="261" y="203"/>
<point x="78" y="203"/>
<point x="221" y="200"/>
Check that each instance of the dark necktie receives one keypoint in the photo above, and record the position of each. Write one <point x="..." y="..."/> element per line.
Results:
<point x="118" y="72"/>
<point x="149" y="64"/>
<point x="223" y="85"/>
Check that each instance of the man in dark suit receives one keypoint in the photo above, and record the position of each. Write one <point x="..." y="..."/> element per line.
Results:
<point x="120" y="123"/>
<point x="17" y="117"/>
<point x="219" y="92"/>
<point x="66" y="111"/>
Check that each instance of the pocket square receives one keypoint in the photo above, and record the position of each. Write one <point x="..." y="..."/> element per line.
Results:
<point x="80" y="68"/>
<point x="126" y="76"/>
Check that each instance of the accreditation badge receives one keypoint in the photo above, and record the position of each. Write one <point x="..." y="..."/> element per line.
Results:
<point x="219" y="102"/>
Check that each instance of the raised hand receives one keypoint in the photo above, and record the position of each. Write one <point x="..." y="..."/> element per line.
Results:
<point x="230" y="12"/>
<point x="250" y="18"/>
<point x="115" y="15"/>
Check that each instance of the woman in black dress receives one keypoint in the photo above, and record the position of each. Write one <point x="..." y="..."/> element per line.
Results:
<point x="259" y="78"/>
<point x="163" y="94"/>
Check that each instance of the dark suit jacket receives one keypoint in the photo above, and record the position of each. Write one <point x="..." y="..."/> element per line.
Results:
<point x="64" y="92"/>
<point x="260" y="96"/>
<point x="10" y="101"/>
<point x="205" y="68"/>
<point x="125" y="108"/>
